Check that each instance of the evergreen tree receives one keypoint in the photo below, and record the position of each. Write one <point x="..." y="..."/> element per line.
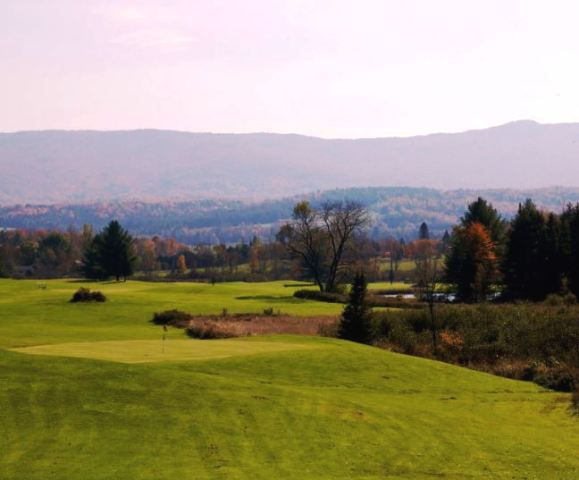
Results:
<point x="569" y="247"/>
<point x="91" y="264"/>
<point x="4" y="273"/>
<point x="480" y="211"/>
<point x="551" y="253"/>
<point x="355" y="324"/>
<point x="525" y="263"/>
<point x="471" y="262"/>
<point x="110" y="254"/>
<point x="423" y="232"/>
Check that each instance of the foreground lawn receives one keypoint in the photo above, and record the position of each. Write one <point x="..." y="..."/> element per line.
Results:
<point x="88" y="394"/>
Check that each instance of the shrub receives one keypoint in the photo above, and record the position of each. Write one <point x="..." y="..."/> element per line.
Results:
<point x="321" y="296"/>
<point x="537" y="342"/>
<point x="561" y="379"/>
<point x="554" y="300"/>
<point x="170" y="317"/>
<point x="372" y="299"/>
<point x="209" y="329"/>
<point x="85" y="295"/>
<point x="575" y="400"/>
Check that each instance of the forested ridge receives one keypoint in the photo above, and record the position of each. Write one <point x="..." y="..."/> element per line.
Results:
<point x="395" y="211"/>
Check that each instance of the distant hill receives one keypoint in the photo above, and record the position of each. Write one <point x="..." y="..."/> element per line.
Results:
<point x="75" y="166"/>
<point x="395" y="212"/>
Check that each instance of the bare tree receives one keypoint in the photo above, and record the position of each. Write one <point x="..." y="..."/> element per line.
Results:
<point x="342" y="221"/>
<point x="427" y="279"/>
<point x="302" y="237"/>
<point x="321" y="237"/>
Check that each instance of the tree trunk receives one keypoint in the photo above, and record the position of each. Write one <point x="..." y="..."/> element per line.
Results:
<point x="432" y="325"/>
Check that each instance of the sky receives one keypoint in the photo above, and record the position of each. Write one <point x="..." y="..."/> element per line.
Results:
<point x="330" y="68"/>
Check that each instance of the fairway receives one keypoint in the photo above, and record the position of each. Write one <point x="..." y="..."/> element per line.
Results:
<point x="141" y="351"/>
<point x="86" y="393"/>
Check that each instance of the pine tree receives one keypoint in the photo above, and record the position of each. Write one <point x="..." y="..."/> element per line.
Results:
<point x="91" y="264"/>
<point x="355" y="324"/>
<point x="423" y="232"/>
<point x="553" y="266"/>
<point x="569" y="247"/>
<point x="110" y="254"/>
<point x="524" y="263"/>
<point x="471" y="263"/>
<point x="480" y="211"/>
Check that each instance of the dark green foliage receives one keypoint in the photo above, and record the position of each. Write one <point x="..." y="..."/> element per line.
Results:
<point x="329" y="297"/>
<point x="569" y="246"/>
<point x="423" y="232"/>
<point x="481" y="211"/>
<point x="85" y="295"/>
<point x="92" y="266"/>
<point x="525" y="261"/>
<point x="110" y="254"/>
<point x="471" y="263"/>
<point x="552" y="261"/>
<point x="375" y="299"/>
<point x="4" y="270"/>
<point x="355" y="324"/>
<point x="473" y="250"/>
<point x="534" y="342"/>
<point x="575" y="400"/>
<point x="170" y="317"/>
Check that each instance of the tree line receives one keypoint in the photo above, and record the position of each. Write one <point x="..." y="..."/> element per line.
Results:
<point x="533" y="256"/>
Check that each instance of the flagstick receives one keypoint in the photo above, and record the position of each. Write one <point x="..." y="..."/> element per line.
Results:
<point x="163" y="339"/>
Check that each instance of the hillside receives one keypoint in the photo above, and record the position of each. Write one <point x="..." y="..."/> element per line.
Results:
<point x="73" y="166"/>
<point x="395" y="211"/>
<point x="306" y="408"/>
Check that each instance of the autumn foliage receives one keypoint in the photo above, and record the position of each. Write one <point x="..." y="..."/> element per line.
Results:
<point x="472" y="262"/>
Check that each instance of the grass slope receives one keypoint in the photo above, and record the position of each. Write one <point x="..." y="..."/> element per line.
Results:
<point x="324" y="409"/>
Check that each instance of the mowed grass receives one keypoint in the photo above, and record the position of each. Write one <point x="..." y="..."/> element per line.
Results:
<point x="282" y="407"/>
<point x="141" y="351"/>
<point x="32" y="316"/>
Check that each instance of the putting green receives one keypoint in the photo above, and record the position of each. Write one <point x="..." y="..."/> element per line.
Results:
<point x="145" y="351"/>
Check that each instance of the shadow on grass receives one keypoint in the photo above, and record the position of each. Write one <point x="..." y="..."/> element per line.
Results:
<point x="100" y="282"/>
<point x="272" y="298"/>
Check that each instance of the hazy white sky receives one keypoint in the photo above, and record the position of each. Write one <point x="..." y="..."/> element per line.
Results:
<point x="334" y="68"/>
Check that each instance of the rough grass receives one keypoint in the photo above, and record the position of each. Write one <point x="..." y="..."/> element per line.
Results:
<point x="245" y="325"/>
<point x="324" y="410"/>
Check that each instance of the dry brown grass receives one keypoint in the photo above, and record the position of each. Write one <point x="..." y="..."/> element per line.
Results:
<point x="245" y="325"/>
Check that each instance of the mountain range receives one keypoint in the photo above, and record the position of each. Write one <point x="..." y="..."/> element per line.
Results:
<point x="157" y="165"/>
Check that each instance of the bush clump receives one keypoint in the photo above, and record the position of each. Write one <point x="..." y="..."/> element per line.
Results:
<point x="171" y="317"/>
<point x="575" y="401"/>
<point x="328" y="297"/>
<point x="536" y="342"/>
<point x="85" y="295"/>
<point x="372" y="299"/>
<point x="209" y="330"/>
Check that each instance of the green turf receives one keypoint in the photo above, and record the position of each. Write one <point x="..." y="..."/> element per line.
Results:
<point x="385" y="286"/>
<point x="45" y="316"/>
<point x="276" y="408"/>
<point x="169" y="350"/>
